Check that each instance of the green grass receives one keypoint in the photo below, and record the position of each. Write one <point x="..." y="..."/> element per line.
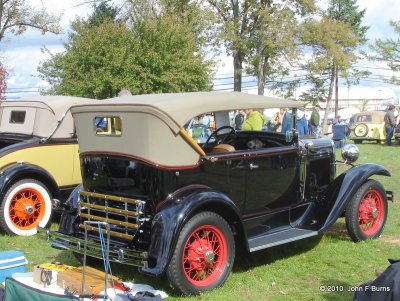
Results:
<point x="289" y="272"/>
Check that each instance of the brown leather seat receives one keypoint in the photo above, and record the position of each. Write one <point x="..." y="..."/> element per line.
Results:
<point x="222" y="148"/>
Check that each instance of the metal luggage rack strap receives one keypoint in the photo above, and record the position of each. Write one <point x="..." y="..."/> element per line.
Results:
<point x="125" y="215"/>
<point x="118" y="252"/>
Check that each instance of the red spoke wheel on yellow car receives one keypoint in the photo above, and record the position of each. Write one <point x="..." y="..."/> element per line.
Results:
<point x="26" y="206"/>
<point x="204" y="254"/>
<point x="366" y="213"/>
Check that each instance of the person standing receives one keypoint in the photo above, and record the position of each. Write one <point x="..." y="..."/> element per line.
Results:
<point x="287" y="123"/>
<point x="314" y="120"/>
<point x="301" y="123"/>
<point x="254" y="120"/>
<point x="277" y="119"/>
<point x="390" y="123"/>
<point x="239" y="118"/>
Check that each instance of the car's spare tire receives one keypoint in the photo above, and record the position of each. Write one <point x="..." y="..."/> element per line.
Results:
<point x="25" y="206"/>
<point x="361" y="130"/>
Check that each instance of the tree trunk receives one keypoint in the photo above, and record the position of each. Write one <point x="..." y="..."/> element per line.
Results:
<point x="328" y="101"/>
<point x="260" y="79"/>
<point x="336" y="91"/>
<point x="237" y="71"/>
<point x="261" y="74"/>
<point x="237" y="53"/>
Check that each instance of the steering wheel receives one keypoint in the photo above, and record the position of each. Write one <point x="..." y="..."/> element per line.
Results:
<point x="217" y="137"/>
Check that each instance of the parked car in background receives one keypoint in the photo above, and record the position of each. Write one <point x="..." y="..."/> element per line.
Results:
<point x="368" y="126"/>
<point x="39" y="160"/>
<point x="177" y="207"/>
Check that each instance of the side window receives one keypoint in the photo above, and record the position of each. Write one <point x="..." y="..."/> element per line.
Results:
<point x="17" y="117"/>
<point x="107" y="125"/>
<point x="364" y="118"/>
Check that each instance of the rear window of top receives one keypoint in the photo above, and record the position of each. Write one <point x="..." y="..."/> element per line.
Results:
<point x="364" y="118"/>
<point x="107" y="125"/>
<point x="17" y="117"/>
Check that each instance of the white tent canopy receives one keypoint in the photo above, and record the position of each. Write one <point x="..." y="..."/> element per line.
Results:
<point x="345" y="113"/>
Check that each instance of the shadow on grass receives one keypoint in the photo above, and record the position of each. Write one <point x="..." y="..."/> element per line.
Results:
<point x="245" y="261"/>
<point x="339" y="231"/>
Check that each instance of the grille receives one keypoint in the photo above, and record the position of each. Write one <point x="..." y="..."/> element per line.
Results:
<point x="124" y="215"/>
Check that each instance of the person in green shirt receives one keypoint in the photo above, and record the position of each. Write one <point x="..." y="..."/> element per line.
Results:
<point x="314" y="120"/>
<point x="254" y="120"/>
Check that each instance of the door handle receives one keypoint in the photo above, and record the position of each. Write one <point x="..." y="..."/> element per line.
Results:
<point x="253" y="166"/>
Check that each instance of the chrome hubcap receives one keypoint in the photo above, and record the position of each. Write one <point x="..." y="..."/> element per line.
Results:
<point x="29" y="210"/>
<point x="209" y="257"/>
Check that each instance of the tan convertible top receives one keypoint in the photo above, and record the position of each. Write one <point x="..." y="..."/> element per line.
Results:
<point x="177" y="108"/>
<point x="152" y="124"/>
<point x="374" y="117"/>
<point x="41" y="115"/>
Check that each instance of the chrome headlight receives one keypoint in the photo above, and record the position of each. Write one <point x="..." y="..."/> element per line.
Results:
<point x="350" y="153"/>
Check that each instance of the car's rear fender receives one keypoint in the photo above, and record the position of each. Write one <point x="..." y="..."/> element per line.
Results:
<point x="17" y="171"/>
<point x="172" y="215"/>
<point x="342" y="189"/>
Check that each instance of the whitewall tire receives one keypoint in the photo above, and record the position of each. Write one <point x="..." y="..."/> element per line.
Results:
<point x="25" y="206"/>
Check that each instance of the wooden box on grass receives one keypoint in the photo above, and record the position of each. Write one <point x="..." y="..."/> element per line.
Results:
<point x="94" y="280"/>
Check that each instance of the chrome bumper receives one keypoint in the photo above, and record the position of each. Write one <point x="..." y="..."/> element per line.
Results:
<point x="117" y="253"/>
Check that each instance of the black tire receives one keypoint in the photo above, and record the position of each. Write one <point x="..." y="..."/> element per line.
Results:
<point x="205" y="269"/>
<point x="366" y="213"/>
<point x="25" y="206"/>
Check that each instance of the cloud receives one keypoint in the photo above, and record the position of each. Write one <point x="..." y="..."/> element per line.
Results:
<point x="22" y="54"/>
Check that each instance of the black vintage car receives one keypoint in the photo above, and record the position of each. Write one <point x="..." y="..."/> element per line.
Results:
<point x="178" y="207"/>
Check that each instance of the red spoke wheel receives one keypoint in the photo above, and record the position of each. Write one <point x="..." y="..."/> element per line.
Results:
<point x="26" y="206"/>
<point x="204" y="254"/>
<point x="366" y="213"/>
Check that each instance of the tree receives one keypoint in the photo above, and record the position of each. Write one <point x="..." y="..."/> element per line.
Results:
<point x="273" y="45"/>
<point x="332" y="42"/>
<point x="16" y="16"/>
<point x="3" y="83"/>
<point x="318" y="93"/>
<point x="232" y="18"/>
<point x="156" y="55"/>
<point x="248" y="28"/>
<point x="102" y="12"/>
<point x="170" y="57"/>
<point x="346" y="11"/>
<point x="95" y="63"/>
<point x="388" y="50"/>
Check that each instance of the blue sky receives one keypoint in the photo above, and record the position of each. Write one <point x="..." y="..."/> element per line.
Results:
<point x="22" y="54"/>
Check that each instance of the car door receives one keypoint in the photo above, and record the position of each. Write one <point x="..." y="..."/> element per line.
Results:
<point x="271" y="181"/>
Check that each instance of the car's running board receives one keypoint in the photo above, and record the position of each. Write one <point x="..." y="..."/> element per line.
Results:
<point x="278" y="238"/>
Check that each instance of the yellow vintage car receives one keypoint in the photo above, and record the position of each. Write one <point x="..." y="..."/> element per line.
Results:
<point x="39" y="162"/>
<point x="368" y="126"/>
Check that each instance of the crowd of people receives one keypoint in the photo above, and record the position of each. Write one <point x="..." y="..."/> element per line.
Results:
<point x="280" y="122"/>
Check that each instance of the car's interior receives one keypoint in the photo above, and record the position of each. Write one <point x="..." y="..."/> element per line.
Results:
<point x="226" y="139"/>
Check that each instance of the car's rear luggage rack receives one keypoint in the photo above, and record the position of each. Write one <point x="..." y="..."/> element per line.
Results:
<point x="124" y="215"/>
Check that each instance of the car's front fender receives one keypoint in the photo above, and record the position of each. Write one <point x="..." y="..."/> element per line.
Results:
<point x="343" y="188"/>
<point x="172" y="215"/>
